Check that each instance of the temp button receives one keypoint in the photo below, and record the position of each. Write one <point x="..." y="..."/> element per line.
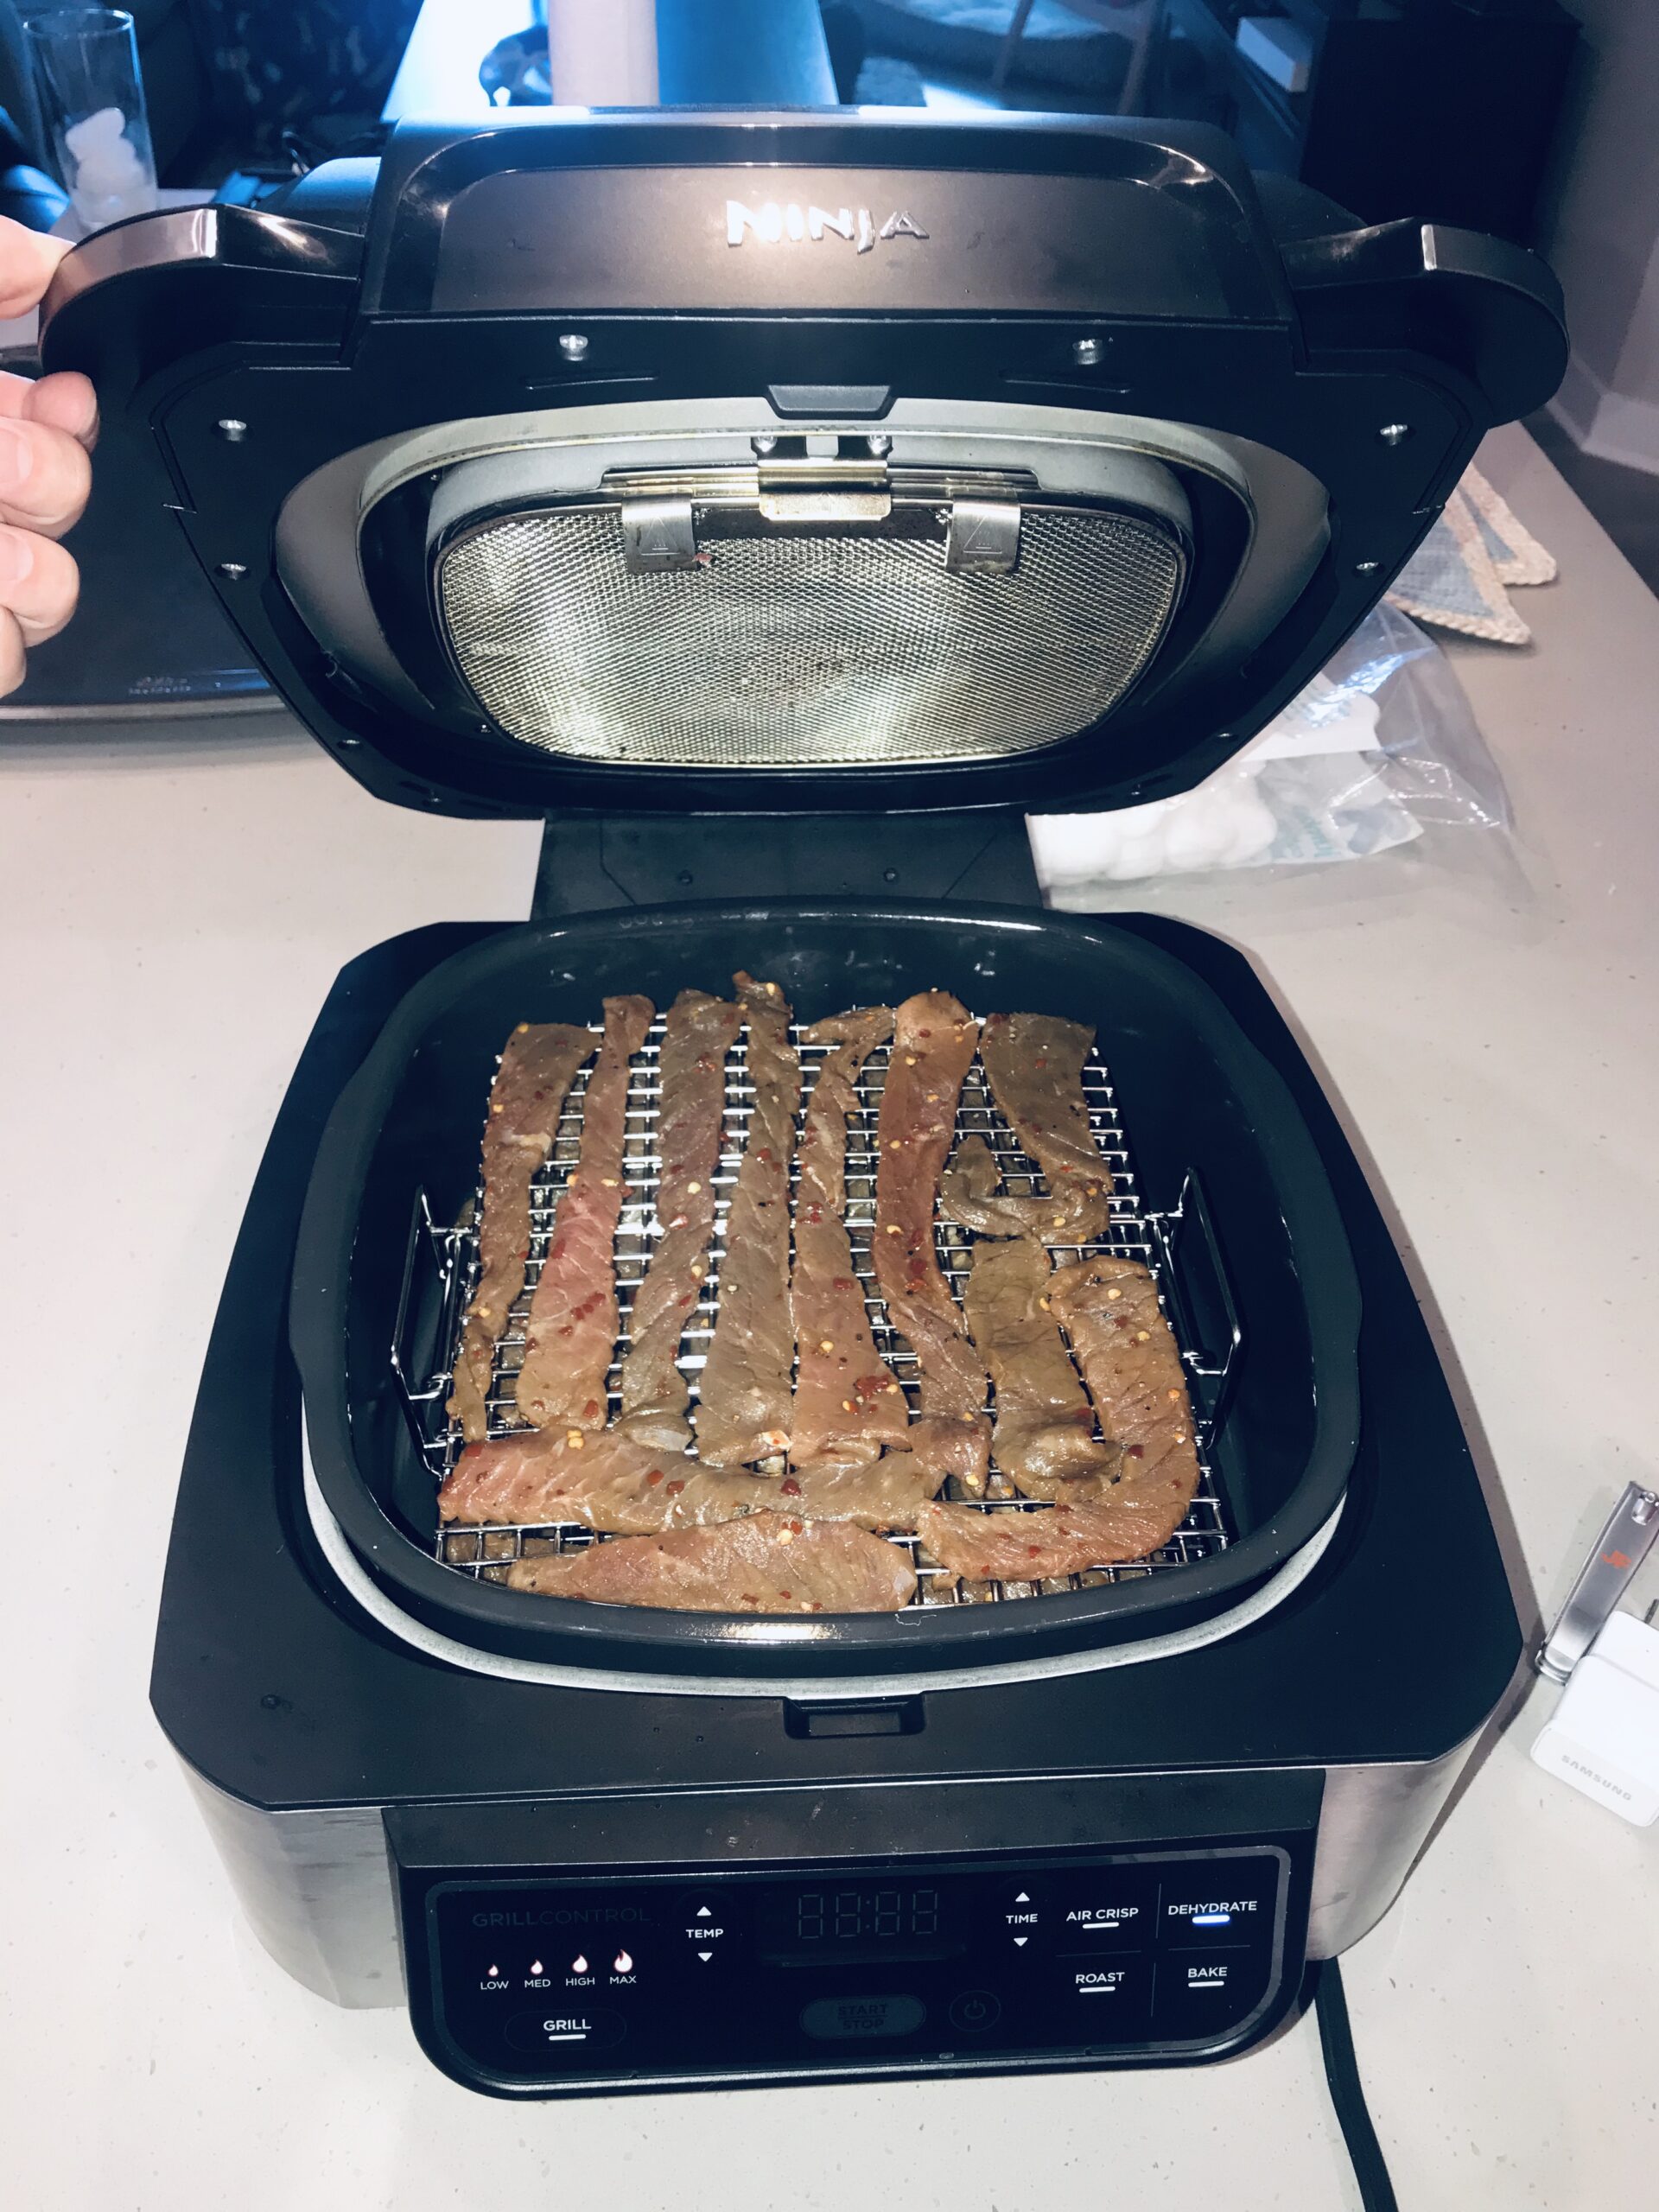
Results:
<point x="831" y="2019"/>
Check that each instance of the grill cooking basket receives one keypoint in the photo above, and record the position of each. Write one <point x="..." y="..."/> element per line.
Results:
<point x="1219" y="1187"/>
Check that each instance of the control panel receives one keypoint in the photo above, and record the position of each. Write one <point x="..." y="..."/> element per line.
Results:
<point x="535" y="1985"/>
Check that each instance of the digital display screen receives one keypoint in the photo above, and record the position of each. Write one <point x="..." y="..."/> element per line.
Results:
<point x="833" y="1924"/>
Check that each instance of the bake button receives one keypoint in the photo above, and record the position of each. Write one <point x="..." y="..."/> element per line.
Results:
<point x="565" y="2031"/>
<point x="832" y="2020"/>
<point x="975" y="2011"/>
<point x="1204" y="1994"/>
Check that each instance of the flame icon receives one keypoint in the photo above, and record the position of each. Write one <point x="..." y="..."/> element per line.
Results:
<point x="623" y="1962"/>
<point x="578" y="1965"/>
<point x="492" y="1972"/>
<point x="534" y="1965"/>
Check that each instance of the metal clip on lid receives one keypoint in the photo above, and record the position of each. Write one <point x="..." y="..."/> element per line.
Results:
<point x="1607" y="1574"/>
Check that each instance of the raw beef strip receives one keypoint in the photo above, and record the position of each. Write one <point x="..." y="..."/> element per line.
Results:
<point x="537" y="1068"/>
<point x="932" y="1049"/>
<point x="525" y="1476"/>
<point x="1134" y="1517"/>
<point x="767" y="1563"/>
<point x="1045" y="1435"/>
<point x="847" y="1402"/>
<point x="1132" y="1366"/>
<point x="536" y="1477"/>
<point x="699" y="1033"/>
<point x="571" y="1331"/>
<point x="743" y="1410"/>
<point x="1034" y="1062"/>
<point x="972" y="1192"/>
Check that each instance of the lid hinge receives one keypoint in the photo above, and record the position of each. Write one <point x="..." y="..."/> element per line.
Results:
<point x="789" y="482"/>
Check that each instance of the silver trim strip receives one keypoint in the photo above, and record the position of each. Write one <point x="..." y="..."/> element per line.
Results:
<point x="810" y="1689"/>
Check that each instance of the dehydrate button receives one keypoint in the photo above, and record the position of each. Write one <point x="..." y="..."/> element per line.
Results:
<point x="1219" y="1903"/>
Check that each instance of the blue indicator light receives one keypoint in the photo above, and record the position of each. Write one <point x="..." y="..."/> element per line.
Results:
<point x="1210" y="1919"/>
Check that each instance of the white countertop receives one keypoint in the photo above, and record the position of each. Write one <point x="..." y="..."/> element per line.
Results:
<point x="173" y="910"/>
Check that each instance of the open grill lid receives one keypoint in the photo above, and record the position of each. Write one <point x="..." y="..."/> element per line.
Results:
<point x="796" y="463"/>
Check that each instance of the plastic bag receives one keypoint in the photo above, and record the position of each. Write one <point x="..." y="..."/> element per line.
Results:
<point x="1382" y="747"/>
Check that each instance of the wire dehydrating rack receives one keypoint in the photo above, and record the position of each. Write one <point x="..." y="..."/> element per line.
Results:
<point x="1135" y="1233"/>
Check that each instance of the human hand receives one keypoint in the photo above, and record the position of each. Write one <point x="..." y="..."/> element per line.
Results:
<point x="48" y="427"/>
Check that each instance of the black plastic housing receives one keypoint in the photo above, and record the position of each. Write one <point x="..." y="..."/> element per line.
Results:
<point x="453" y="292"/>
<point x="1195" y="1097"/>
<point x="273" y="1686"/>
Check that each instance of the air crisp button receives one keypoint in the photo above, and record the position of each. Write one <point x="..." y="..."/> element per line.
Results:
<point x="1102" y="1912"/>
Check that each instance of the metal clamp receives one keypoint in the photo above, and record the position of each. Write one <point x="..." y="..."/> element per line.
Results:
<point x="1217" y="1369"/>
<point x="1606" y="1576"/>
<point x="424" y="1235"/>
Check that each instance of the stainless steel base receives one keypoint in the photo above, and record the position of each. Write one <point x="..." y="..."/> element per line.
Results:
<point x="317" y="1886"/>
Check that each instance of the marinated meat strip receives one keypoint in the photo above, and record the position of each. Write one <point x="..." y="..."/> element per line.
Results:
<point x="526" y="1478"/>
<point x="767" y="1563"/>
<point x="933" y="1047"/>
<point x="743" y="1413"/>
<point x="1131" y="1365"/>
<point x="1035" y="1062"/>
<point x="885" y="1493"/>
<point x="972" y="1192"/>
<point x="699" y="1033"/>
<point x="939" y="1445"/>
<point x="536" y="1477"/>
<point x="538" y="1066"/>
<point x="848" y="1402"/>
<point x="1134" y="1517"/>
<point x="1045" y="1434"/>
<point x="571" y="1331"/>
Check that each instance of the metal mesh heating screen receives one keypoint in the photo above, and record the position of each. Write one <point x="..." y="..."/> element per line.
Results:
<point x="834" y="648"/>
<point x="1135" y="1233"/>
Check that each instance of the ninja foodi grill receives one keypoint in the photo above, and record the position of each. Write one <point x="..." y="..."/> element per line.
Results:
<point x="779" y="504"/>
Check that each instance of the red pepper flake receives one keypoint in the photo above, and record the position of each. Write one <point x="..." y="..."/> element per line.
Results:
<point x="1137" y="1451"/>
<point x="673" y="1490"/>
<point x="791" y="1488"/>
<point x="842" y="1282"/>
<point x="590" y="1410"/>
<point x="653" y="1477"/>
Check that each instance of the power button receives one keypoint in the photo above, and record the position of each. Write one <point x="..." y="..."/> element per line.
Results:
<point x="974" y="2011"/>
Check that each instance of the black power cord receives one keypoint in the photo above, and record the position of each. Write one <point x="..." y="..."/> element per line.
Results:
<point x="1347" y="2097"/>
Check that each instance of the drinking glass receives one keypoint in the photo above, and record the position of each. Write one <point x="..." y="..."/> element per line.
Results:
<point x="86" y="66"/>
